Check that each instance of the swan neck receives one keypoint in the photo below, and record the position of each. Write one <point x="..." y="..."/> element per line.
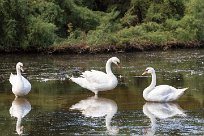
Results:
<point x="108" y="67"/>
<point x="153" y="83"/>
<point x="150" y="87"/>
<point x="18" y="71"/>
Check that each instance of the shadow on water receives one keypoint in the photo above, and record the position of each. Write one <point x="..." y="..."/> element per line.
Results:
<point x="53" y="94"/>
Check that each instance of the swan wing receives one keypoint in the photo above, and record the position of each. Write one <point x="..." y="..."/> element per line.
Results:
<point x="11" y="111"/>
<point x="95" y="77"/>
<point x="96" y="81"/>
<point x="162" y="93"/>
<point x="12" y="78"/>
<point x="26" y="83"/>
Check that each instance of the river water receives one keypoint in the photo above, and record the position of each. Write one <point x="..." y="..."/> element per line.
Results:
<point x="57" y="106"/>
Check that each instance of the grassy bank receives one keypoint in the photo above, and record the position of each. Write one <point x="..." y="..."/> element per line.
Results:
<point x="120" y="48"/>
<point x="148" y="46"/>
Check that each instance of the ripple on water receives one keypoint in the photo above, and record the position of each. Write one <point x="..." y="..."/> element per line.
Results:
<point x="136" y="123"/>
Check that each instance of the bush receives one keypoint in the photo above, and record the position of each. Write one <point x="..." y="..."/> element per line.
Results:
<point x="98" y="37"/>
<point x="39" y="24"/>
<point x="157" y="37"/>
<point x="76" y="37"/>
<point x="41" y="34"/>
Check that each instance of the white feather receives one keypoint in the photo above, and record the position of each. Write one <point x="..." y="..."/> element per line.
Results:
<point x="20" y="85"/>
<point x="161" y="93"/>
<point x="97" y="80"/>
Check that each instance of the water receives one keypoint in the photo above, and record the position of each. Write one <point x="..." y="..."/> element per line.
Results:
<point x="57" y="106"/>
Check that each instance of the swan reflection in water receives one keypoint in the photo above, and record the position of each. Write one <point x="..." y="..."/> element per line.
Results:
<point x="160" y="111"/>
<point x="19" y="109"/>
<point x="98" y="107"/>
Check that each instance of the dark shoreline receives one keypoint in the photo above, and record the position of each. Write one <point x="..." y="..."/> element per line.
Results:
<point x="84" y="49"/>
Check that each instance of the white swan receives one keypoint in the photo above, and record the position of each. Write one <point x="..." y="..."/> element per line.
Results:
<point x="19" y="109"/>
<point x="97" y="80"/>
<point x="160" y="111"/>
<point x="98" y="107"/>
<point x="20" y="85"/>
<point x="161" y="93"/>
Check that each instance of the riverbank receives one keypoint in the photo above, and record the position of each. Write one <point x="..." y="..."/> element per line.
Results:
<point x="85" y="49"/>
<point x="78" y="49"/>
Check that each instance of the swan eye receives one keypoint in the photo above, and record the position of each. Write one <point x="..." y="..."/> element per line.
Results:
<point x="21" y="66"/>
<point x="146" y="69"/>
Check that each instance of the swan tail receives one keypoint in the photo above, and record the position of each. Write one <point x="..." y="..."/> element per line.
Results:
<point x="67" y="76"/>
<point x="80" y="81"/>
<point x="180" y="92"/>
<point x="11" y="75"/>
<point x="183" y="89"/>
<point x="11" y="78"/>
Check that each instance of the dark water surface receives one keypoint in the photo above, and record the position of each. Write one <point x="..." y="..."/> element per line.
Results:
<point x="57" y="106"/>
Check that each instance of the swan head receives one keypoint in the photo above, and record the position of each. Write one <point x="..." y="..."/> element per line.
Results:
<point x="149" y="70"/>
<point x="19" y="65"/>
<point x="115" y="60"/>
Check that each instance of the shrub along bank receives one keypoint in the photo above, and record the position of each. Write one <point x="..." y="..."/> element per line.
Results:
<point x="80" y="26"/>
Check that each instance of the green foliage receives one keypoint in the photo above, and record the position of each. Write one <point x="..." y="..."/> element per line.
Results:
<point x="102" y="35"/>
<point x="27" y="24"/>
<point x="104" y="32"/>
<point x="12" y="18"/>
<point x="159" y="11"/>
<point x="46" y="10"/>
<point x="40" y="24"/>
<point x="158" y="37"/>
<point x="76" y="37"/>
<point x="82" y="17"/>
<point x="41" y="34"/>
<point x="131" y="32"/>
<point x="195" y="9"/>
<point x="136" y="12"/>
